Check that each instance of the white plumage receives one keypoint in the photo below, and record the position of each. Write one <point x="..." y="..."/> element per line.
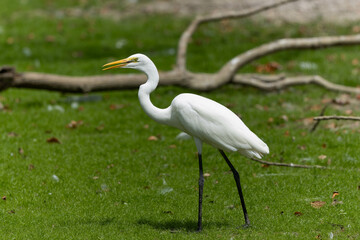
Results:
<point x="215" y="125"/>
<point x="204" y="119"/>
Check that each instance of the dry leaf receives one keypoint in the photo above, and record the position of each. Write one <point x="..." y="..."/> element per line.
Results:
<point x="316" y="107"/>
<point x="12" y="134"/>
<point x="50" y="38"/>
<point x="285" y="118"/>
<point x="21" y="151"/>
<point x="302" y="147"/>
<point x="206" y="175"/>
<point x="348" y="111"/>
<point x="153" y="138"/>
<point x="10" y="40"/>
<point x="323" y="145"/>
<point x="355" y="62"/>
<point x="343" y="99"/>
<point x="110" y="166"/>
<point x="356" y="29"/>
<point x="226" y="26"/>
<point x="53" y="140"/>
<point x="268" y="67"/>
<point x="100" y="127"/>
<point x="336" y="202"/>
<point x="322" y="157"/>
<point x="331" y="125"/>
<point x="335" y="194"/>
<point x="317" y="204"/>
<point x="326" y="100"/>
<point x="261" y="108"/>
<point x="298" y="214"/>
<point x="308" y="121"/>
<point x="230" y="105"/>
<point x="3" y="198"/>
<point x="31" y="167"/>
<point x="329" y="161"/>
<point x="116" y="106"/>
<point x="172" y="146"/>
<point x="74" y="124"/>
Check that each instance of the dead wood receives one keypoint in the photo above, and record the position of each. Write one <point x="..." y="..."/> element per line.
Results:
<point x="198" y="81"/>
<point x="287" y="164"/>
<point x="321" y="114"/>
<point x="352" y="118"/>
<point x="186" y="35"/>
<point x="278" y="82"/>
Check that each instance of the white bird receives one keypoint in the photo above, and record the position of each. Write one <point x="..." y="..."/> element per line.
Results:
<point x="205" y="120"/>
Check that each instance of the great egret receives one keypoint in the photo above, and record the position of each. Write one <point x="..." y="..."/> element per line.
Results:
<point x="204" y="119"/>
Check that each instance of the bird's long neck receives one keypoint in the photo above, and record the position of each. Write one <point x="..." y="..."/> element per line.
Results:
<point x="157" y="114"/>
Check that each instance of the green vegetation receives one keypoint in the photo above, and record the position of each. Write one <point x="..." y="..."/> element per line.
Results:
<point x="106" y="180"/>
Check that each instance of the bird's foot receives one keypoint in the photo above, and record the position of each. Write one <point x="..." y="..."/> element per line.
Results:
<point x="246" y="225"/>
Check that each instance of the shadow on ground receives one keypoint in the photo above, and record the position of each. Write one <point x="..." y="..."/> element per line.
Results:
<point x="176" y="225"/>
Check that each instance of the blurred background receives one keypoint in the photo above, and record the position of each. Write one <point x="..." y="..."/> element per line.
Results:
<point x="94" y="166"/>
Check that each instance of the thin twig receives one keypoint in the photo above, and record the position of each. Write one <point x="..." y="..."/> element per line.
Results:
<point x="287" y="164"/>
<point x="352" y="118"/>
<point x="321" y="114"/>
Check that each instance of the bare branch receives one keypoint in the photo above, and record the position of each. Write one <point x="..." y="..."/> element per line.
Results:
<point x="352" y="118"/>
<point x="287" y="164"/>
<point x="230" y="68"/>
<point x="186" y="35"/>
<point x="321" y="114"/>
<point x="198" y="81"/>
<point x="76" y="84"/>
<point x="277" y="82"/>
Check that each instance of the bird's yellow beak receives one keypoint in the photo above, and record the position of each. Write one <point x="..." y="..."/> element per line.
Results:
<point x="116" y="64"/>
<point x="119" y="63"/>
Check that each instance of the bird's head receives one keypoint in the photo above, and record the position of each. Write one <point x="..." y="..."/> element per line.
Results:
<point x="135" y="61"/>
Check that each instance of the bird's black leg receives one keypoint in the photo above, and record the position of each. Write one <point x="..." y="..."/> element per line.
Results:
<point x="237" y="180"/>
<point x="201" y="187"/>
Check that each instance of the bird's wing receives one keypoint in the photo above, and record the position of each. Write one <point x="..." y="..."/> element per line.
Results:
<point x="214" y="124"/>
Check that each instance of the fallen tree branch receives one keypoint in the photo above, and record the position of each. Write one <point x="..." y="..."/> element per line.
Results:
<point x="186" y="35"/>
<point x="287" y="164"/>
<point x="230" y="68"/>
<point x="321" y="118"/>
<point x="278" y="82"/>
<point x="10" y="78"/>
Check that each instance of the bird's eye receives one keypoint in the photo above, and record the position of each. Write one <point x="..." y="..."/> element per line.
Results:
<point x="135" y="59"/>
